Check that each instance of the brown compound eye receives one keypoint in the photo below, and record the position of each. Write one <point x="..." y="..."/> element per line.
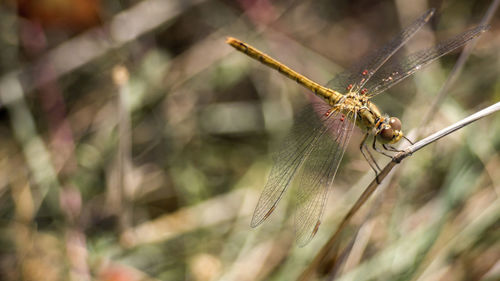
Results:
<point x="387" y="133"/>
<point x="395" y="123"/>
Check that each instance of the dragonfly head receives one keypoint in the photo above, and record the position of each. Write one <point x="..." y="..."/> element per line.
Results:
<point x="390" y="131"/>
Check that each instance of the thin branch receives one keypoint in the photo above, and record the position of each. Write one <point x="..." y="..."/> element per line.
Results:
<point x="446" y="131"/>
<point x="327" y="251"/>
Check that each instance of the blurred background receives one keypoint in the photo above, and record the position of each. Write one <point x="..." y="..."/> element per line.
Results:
<point x="134" y="142"/>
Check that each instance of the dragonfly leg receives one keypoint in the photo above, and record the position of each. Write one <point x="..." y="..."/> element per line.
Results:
<point x="408" y="140"/>
<point x="391" y="148"/>
<point x="368" y="156"/>
<point x="374" y="145"/>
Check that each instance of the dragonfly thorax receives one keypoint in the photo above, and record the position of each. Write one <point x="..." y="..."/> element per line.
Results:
<point x="386" y="129"/>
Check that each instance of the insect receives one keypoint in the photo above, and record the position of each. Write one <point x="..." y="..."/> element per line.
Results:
<point x="316" y="144"/>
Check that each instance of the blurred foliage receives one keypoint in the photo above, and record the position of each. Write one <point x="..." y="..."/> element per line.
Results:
<point x="134" y="142"/>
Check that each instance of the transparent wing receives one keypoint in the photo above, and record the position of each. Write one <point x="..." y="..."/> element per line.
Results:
<point x="363" y="71"/>
<point x="316" y="176"/>
<point x="394" y="72"/>
<point x="306" y="131"/>
<point x="340" y="81"/>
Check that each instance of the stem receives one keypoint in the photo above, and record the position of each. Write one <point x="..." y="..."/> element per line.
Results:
<point x="328" y="251"/>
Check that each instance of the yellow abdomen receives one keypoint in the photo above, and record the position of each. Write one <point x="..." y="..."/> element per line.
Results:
<point x="329" y="95"/>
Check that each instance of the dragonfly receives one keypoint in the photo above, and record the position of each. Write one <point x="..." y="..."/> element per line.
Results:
<point x="311" y="153"/>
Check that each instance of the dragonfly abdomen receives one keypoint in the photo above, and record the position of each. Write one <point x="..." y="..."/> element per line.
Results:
<point x="329" y="95"/>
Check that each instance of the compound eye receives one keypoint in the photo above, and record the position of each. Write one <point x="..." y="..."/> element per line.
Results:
<point x="387" y="133"/>
<point x="395" y="123"/>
